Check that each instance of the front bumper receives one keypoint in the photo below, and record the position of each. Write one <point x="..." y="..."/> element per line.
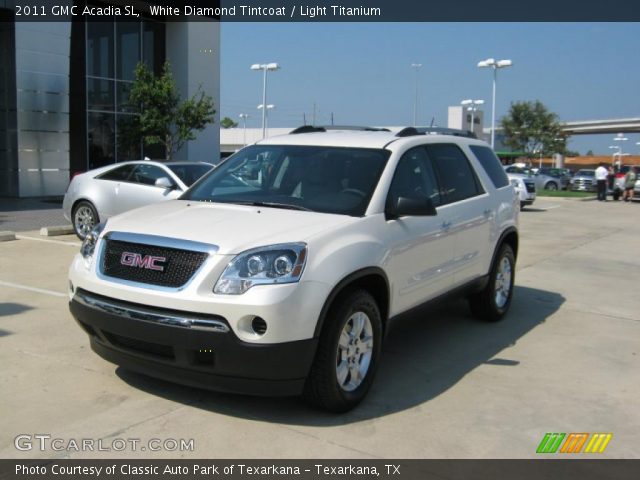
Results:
<point x="200" y="351"/>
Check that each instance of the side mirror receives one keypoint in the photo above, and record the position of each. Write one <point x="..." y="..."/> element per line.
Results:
<point x="411" y="207"/>
<point x="164" y="182"/>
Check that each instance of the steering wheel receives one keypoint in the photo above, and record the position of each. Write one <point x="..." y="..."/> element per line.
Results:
<point x="354" y="191"/>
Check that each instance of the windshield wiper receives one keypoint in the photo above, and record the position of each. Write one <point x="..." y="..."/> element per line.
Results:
<point x="287" y="206"/>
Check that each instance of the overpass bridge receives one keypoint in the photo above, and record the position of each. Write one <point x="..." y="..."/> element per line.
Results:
<point x="591" y="127"/>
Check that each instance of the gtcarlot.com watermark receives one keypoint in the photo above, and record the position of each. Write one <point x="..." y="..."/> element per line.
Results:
<point x="47" y="443"/>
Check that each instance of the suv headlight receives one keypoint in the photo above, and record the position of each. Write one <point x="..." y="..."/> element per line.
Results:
<point x="273" y="264"/>
<point x="89" y="243"/>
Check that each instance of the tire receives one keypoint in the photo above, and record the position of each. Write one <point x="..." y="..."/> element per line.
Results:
<point x="616" y="195"/>
<point x="551" y="186"/>
<point x="490" y="304"/>
<point x="522" y="205"/>
<point x="85" y="217"/>
<point x="331" y="384"/>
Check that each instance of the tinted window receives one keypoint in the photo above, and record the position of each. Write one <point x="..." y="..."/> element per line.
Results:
<point x="189" y="173"/>
<point x="119" y="174"/>
<point x="457" y="179"/>
<point x="491" y="165"/>
<point x="322" y="179"/>
<point x="414" y="178"/>
<point x="148" y="174"/>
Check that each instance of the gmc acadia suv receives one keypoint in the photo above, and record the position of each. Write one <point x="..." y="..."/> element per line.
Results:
<point x="278" y="272"/>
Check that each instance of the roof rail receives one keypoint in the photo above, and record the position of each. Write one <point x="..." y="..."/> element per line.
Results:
<point x="411" y="131"/>
<point x="325" y="128"/>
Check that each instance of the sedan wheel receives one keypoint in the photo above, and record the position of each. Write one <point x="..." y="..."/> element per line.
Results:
<point x="551" y="186"/>
<point x="85" y="218"/>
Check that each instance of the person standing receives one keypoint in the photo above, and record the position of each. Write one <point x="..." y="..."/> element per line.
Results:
<point x="629" y="183"/>
<point x="601" y="182"/>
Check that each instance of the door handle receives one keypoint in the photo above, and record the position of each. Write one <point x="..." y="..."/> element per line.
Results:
<point x="446" y="225"/>
<point x="487" y="213"/>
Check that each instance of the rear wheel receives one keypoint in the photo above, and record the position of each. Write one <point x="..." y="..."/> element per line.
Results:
<point x="493" y="302"/>
<point x="85" y="218"/>
<point x="347" y="355"/>
<point x="551" y="186"/>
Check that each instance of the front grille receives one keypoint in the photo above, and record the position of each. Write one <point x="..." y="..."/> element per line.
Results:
<point x="162" y="266"/>
<point x="531" y="187"/>
<point x="140" y="346"/>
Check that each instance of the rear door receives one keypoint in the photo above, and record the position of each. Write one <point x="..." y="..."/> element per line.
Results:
<point x="469" y="208"/>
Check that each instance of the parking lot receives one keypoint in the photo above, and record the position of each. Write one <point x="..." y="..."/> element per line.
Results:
<point x="566" y="359"/>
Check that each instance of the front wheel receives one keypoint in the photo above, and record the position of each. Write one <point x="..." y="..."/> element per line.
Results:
<point x="551" y="186"/>
<point x="347" y="355"/>
<point x="493" y="302"/>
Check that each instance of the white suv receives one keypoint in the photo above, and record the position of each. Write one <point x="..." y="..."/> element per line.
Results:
<point x="279" y="272"/>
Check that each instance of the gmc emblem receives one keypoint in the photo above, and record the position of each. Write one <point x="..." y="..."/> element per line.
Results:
<point x="148" y="262"/>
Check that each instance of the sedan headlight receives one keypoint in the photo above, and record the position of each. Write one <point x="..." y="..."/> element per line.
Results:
<point x="273" y="264"/>
<point x="89" y="243"/>
<point x="515" y="183"/>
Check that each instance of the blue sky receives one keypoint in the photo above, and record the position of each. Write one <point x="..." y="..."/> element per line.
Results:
<point x="361" y="71"/>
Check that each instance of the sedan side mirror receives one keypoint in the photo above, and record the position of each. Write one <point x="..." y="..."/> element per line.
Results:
<point x="411" y="207"/>
<point x="164" y="182"/>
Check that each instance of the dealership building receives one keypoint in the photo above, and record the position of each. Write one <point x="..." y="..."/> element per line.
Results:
<point x="64" y="87"/>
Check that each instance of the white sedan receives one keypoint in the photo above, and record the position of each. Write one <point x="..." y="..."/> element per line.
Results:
<point x="98" y="194"/>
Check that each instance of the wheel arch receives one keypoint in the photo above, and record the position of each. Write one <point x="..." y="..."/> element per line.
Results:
<point x="510" y="237"/>
<point x="372" y="279"/>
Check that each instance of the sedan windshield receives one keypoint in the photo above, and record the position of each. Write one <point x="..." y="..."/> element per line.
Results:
<point x="321" y="179"/>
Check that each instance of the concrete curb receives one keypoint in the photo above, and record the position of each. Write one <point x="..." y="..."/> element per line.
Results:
<point x="56" y="231"/>
<point x="7" y="236"/>
<point x="588" y="199"/>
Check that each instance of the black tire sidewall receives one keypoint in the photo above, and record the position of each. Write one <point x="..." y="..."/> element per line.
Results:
<point x="341" y="400"/>
<point x="505" y="251"/>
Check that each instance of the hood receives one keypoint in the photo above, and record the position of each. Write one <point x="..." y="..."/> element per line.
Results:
<point x="233" y="228"/>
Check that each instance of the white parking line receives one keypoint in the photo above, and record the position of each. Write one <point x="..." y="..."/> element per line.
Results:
<point x="59" y="242"/>
<point x="32" y="289"/>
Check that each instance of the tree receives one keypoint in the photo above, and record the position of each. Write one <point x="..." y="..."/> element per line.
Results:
<point x="162" y="118"/>
<point x="589" y="153"/>
<point x="531" y="128"/>
<point x="226" y="122"/>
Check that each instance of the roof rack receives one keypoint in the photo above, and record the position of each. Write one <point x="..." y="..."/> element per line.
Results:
<point x="326" y="128"/>
<point x="412" y="131"/>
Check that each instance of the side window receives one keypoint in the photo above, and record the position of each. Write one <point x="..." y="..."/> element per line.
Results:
<point x="457" y="178"/>
<point x="120" y="174"/>
<point x="148" y="174"/>
<point x="414" y="178"/>
<point x="491" y="165"/>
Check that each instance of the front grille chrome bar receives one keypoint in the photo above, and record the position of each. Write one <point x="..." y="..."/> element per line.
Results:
<point x="140" y="313"/>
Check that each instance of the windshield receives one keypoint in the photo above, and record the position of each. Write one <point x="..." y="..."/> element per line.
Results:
<point x="586" y="173"/>
<point x="321" y="179"/>
<point x="189" y="173"/>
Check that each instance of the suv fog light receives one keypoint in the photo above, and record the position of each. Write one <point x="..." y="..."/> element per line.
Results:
<point x="259" y="326"/>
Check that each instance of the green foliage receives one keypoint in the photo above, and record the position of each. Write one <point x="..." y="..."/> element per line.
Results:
<point x="589" y="153"/>
<point x="530" y="127"/>
<point x="226" y="122"/>
<point x="162" y="118"/>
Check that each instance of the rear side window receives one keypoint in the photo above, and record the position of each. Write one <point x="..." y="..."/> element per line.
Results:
<point x="457" y="178"/>
<point x="491" y="165"/>
<point x="119" y="174"/>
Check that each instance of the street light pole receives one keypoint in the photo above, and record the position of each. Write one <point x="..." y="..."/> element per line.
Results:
<point x="244" y="117"/>
<point x="265" y="67"/>
<point x="416" y="67"/>
<point x="473" y="108"/>
<point x="492" y="63"/>
<point x="265" y="116"/>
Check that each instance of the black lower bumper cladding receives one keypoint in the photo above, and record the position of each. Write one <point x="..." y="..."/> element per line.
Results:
<point x="190" y="349"/>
